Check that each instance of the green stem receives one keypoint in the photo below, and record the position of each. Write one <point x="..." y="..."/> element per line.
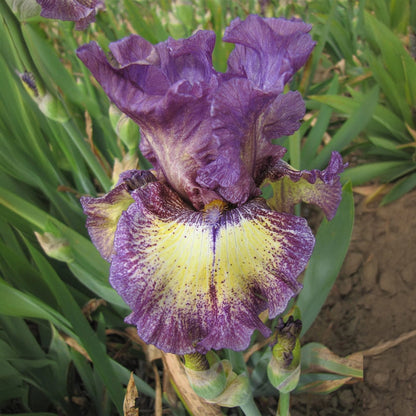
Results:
<point x="249" y="408"/>
<point x="284" y="404"/>
<point x="295" y="154"/>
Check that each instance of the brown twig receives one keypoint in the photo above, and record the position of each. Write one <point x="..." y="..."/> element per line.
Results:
<point x="384" y="346"/>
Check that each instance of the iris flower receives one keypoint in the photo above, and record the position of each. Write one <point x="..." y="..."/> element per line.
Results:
<point x="195" y="251"/>
<point x="80" y="11"/>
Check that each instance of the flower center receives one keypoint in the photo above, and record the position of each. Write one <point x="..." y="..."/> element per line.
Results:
<point x="213" y="211"/>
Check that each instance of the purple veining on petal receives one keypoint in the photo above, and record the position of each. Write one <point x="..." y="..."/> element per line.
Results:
<point x="268" y="51"/>
<point x="80" y="11"/>
<point x="103" y="213"/>
<point x="322" y="188"/>
<point x="166" y="89"/>
<point x="198" y="280"/>
<point x="208" y="134"/>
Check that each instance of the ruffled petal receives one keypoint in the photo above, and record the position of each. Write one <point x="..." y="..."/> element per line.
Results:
<point x="245" y="120"/>
<point x="322" y="188"/>
<point x="197" y="281"/>
<point x="104" y="213"/>
<point x="269" y="51"/>
<point x="208" y="134"/>
<point x="172" y="112"/>
<point x="80" y="11"/>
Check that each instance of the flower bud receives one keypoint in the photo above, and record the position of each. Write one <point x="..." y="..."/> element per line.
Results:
<point x="125" y="127"/>
<point x="52" y="108"/>
<point x="207" y="381"/>
<point x="214" y="380"/>
<point x="284" y="367"/>
<point x="55" y="246"/>
<point x="24" y="9"/>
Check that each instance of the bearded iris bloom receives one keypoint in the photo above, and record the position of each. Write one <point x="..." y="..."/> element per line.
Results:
<point x="195" y="251"/>
<point x="80" y="11"/>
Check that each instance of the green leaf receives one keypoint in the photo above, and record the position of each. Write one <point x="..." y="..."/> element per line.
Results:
<point x="350" y="129"/>
<point x="16" y="303"/>
<point x="386" y="171"/>
<point x="332" y="241"/>
<point x="318" y="358"/>
<point x="151" y="30"/>
<point x="386" y="119"/>
<point x="396" y="63"/>
<point x="323" y="371"/>
<point x="24" y="8"/>
<point x="81" y="327"/>
<point x="400" y="188"/>
<point x="316" y="134"/>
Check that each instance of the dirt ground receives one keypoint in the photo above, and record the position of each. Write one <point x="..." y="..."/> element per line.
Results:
<point x="373" y="302"/>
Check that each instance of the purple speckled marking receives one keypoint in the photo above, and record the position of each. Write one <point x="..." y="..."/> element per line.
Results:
<point x="203" y="322"/>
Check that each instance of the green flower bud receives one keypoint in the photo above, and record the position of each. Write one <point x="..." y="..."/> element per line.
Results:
<point x="24" y="9"/>
<point x="284" y="367"/>
<point x="52" y="108"/>
<point x="214" y="380"/>
<point x="114" y="114"/>
<point x="207" y="381"/>
<point x="49" y="105"/>
<point x="55" y="247"/>
<point x="125" y="128"/>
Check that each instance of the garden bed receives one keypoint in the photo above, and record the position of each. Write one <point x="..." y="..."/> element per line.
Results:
<point x="372" y="303"/>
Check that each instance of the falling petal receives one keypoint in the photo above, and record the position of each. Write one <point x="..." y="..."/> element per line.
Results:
<point x="197" y="281"/>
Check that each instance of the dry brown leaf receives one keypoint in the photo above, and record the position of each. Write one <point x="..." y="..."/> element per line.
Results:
<point x="74" y="344"/>
<point x="91" y="306"/>
<point x="152" y="353"/>
<point x="130" y="407"/>
<point x="168" y="389"/>
<point x="128" y="162"/>
<point x="412" y="132"/>
<point x="195" y="405"/>
<point x="158" y="398"/>
<point x="384" y="346"/>
<point x="326" y="386"/>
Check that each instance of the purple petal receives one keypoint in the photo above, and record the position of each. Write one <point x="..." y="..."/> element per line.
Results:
<point x="172" y="112"/>
<point x="245" y="119"/>
<point x="208" y="135"/>
<point x="268" y="51"/>
<point x="80" y="11"/>
<point x="322" y="188"/>
<point x="103" y="213"/>
<point x="197" y="281"/>
<point x="283" y="115"/>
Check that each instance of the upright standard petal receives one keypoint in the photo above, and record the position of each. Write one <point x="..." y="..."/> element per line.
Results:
<point x="166" y="89"/>
<point x="197" y="281"/>
<point x="268" y="52"/>
<point x="249" y="109"/>
<point x="245" y="120"/>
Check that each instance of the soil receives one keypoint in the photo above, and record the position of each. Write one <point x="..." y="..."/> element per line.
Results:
<point x="373" y="302"/>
